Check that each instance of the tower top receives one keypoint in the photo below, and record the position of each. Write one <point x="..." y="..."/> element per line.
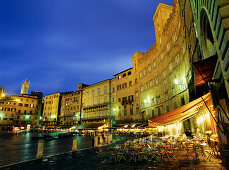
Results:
<point x="25" y="87"/>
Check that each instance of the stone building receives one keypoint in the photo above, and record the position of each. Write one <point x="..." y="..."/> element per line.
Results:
<point x="126" y="107"/>
<point x="25" y="87"/>
<point x="163" y="72"/>
<point x="211" y="22"/>
<point x="19" y="111"/>
<point x="51" y="112"/>
<point x="70" y="108"/>
<point x="99" y="102"/>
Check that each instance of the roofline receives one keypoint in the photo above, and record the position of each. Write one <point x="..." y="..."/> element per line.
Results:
<point x="161" y="4"/>
<point x="97" y="83"/>
<point x="123" y="71"/>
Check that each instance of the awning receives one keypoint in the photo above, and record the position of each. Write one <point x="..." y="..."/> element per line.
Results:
<point x="205" y="68"/>
<point x="180" y="113"/>
<point x="91" y="126"/>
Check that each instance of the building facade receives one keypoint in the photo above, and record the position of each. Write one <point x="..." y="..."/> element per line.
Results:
<point x="70" y="108"/>
<point x="51" y="112"/>
<point x="19" y="111"/>
<point x="99" y="102"/>
<point x="127" y="108"/>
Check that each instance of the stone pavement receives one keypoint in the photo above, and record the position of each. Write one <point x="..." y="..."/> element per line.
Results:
<point x="95" y="158"/>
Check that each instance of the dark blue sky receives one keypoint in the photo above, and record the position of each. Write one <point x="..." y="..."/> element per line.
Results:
<point x="58" y="44"/>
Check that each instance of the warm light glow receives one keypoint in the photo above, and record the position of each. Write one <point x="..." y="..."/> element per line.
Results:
<point x="53" y="116"/>
<point x="133" y="126"/>
<point x="125" y="126"/>
<point x="3" y="94"/>
<point x="17" y="100"/>
<point x="200" y="120"/>
<point x="176" y="81"/>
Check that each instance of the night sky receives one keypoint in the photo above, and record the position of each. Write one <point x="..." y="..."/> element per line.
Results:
<point x="58" y="44"/>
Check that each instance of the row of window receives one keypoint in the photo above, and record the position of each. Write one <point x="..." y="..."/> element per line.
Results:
<point x="26" y="105"/>
<point x="148" y="69"/>
<point x="124" y="75"/>
<point x="124" y="85"/>
<point x="13" y="110"/>
<point x="125" y="100"/>
<point x="50" y="108"/>
<point x="52" y="96"/>
<point x="99" y="91"/>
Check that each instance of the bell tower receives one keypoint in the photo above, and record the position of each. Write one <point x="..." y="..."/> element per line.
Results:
<point x="25" y="87"/>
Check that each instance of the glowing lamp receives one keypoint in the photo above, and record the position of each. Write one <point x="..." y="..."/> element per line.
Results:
<point x="176" y="81"/>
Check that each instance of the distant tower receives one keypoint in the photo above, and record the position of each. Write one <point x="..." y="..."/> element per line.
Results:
<point x="25" y="87"/>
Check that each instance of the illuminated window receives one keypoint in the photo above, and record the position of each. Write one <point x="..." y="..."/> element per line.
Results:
<point x="140" y="74"/>
<point x="146" y="86"/>
<point x="155" y="63"/>
<point x="170" y="66"/>
<point x="151" y="83"/>
<point x="168" y="47"/>
<point x="162" y="56"/>
<point x="174" y="37"/>
<point x="156" y="81"/>
<point x="142" y="88"/>
<point x="177" y="58"/>
<point x="144" y="71"/>
<point x="164" y="74"/>
<point x="149" y="68"/>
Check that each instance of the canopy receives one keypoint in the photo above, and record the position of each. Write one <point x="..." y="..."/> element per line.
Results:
<point x="205" y="68"/>
<point x="90" y="126"/>
<point x="180" y="113"/>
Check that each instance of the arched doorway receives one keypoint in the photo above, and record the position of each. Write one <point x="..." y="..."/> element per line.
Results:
<point x="206" y="36"/>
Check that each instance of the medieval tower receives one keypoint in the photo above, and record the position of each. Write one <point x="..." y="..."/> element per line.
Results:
<point x="25" y="87"/>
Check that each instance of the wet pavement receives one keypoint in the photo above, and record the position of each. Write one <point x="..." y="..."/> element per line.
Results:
<point x="95" y="158"/>
<point x="98" y="158"/>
